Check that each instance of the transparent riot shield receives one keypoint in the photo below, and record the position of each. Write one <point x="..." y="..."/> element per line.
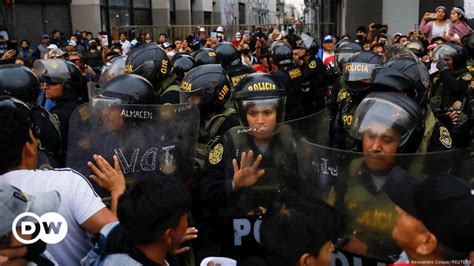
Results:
<point x="355" y="183"/>
<point x="145" y="138"/>
<point x="239" y="217"/>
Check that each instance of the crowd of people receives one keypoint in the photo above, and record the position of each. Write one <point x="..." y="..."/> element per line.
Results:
<point x="360" y="147"/>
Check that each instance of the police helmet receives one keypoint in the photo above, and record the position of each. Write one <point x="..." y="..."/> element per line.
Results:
<point x="205" y="56"/>
<point x="115" y="67"/>
<point x="127" y="89"/>
<point x="468" y="42"/>
<point x="416" y="47"/>
<point x="59" y="71"/>
<point x="210" y="84"/>
<point x="282" y="55"/>
<point x="150" y="62"/>
<point x="345" y="49"/>
<point x="404" y="73"/>
<point x="182" y="63"/>
<point x="19" y="82"/>
<point x="258" y="89"/>
<point x="380" y="111"/>
<point x="358" y="71"/>
<point x="458" y="54"/>
<point x="227" y="54"/>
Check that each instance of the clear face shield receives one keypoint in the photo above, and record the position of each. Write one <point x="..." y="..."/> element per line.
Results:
<point x="378" y="118"/>
<point x="261" y="116"/>
<point x="51" y="70"/>
<point x="112" y="70"/>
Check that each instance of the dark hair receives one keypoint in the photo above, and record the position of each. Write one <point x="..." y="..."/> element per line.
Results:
<point x="14" y="133"/>
<point x="25" y="41"/>
<point x="462" y="18"/>
<point x="362" y="28"/>
<point x="163" y="34"/>
<point x="123" y="33"/>
<point x="152" y="206"/>
<point x="376" y="46"/>
<point x="295" y="225"/>
<point x="54" y="32"/>
<point x="178" y="39"/>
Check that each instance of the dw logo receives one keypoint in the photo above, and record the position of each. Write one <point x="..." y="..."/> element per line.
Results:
<point x="52" y="227"/>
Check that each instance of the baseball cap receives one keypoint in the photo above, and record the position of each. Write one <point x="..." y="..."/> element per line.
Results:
<point x="328" y="38"/>
<point x="45" y="36"/>
<point x="72" y="43"/>
<point x="56" y="53"/>
<point x="202" y="29"/>
<point x="14" y="202"/>
<point x="220" y="29"/>
<point x="52" y="46"/>
<point x="443" y="203"/>
<point x="238" y="35"/>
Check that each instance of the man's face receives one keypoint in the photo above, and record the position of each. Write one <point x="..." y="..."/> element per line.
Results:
<point x="328" y="46"/>
<point x="378" y="50"/>
<point x="74" y="38"/>
<point x="378" y="144"/>
<point x="162" y="37"/>
<point x="406" y="230"/>
<point x="449" y="61"/>
<point x="57" y="35"/>
<point x="89" y="37"/>
<point x="180" y="230"/>
<point x="54" y="91"/>
<point x="178" y="44"/>
<point x="123" y="37"/>
<point x="263" y="119"/>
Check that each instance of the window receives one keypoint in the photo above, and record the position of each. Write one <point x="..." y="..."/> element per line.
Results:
<point x="141" y="4"/>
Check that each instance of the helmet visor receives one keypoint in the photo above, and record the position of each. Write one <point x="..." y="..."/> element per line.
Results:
<point x="382" y="119"/>
<point x="199" y="96"/>
<point x="442" y="51"/>
<point x="112" y="70"/>
<point x="261" y="115"/>
<point x="51" y="70"/>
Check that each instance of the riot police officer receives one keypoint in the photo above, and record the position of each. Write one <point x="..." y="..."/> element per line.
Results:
<point x="415" y="47"/>
<point x="63" y="79"/>
<point x="251" y="162"/>
<point x="182" y="63"/>
<point x="205" y="56"/>
<point x="405" y="74"/>
<point x="208" y="86"/>
<point x="451" y="85"/>
<point x="20" y="82"/>
<point x="229" y="58"/>
<point x="313" y="72"/>
<point x="356" y="80"/>
<point x="113" y="68"/>
<point x="152" y="63"/>
<point x="468" y="42"/>
<point x="290" y="77"/>
<point x="127" y="89"/>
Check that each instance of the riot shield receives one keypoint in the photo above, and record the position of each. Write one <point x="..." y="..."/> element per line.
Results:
<point x="145" y="138"/>
<point x="240" y="217"/>
<point x="355" y="183"/>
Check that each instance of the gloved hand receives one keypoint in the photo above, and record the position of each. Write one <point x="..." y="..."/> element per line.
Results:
<point x="442" y="66"/>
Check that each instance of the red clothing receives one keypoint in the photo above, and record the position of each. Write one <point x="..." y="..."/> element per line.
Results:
<point x="261" y="69"/>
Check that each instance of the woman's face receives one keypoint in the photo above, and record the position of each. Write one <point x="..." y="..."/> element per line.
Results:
<point x="24" y="44"/>
<point x="440" y="14"/>
<point x="454" y="16"/>
<point x="263" y="120"/>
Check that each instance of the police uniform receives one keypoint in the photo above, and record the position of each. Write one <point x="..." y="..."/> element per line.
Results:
<point x="291" y="78"/>
<point x="314" y="91"/>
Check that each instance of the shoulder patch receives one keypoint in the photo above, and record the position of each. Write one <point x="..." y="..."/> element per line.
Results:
<point x="215" y="156"/>
<point x="312" y="64"/>
<point x="445" y="137"/>
<point x="467" y="77"/>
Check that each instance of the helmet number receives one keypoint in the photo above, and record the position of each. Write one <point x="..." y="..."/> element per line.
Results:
<point x="347" y="120"/>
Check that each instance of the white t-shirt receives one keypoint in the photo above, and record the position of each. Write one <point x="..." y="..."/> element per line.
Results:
<point x="79" y="202"/>
<point x="125" y="46"/>
<point x="439" y="31"/>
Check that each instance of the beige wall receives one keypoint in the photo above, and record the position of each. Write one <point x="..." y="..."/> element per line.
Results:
<point x="85" y="15"/>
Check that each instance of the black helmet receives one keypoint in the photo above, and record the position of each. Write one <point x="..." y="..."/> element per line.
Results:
<point x="388" y="110"/>
<point x="468" y="42"/>
<point x="416" y="47"/>
<point x="259" y="89"/>
<point x="210" y="83"/>
<point x="282" y="55"/>
<point x="150" y="62"/>
<point x="227" y="54"/>
<point x="358" y="71"/>
<point x="458" y="53"/>
<point x="127" y="89"/>
<point x="205" y="56"/>
<point x="60" y="71"/>
<point x="19" y="82"/>
<point x="404" y="72"/>
<point x="182" y="63"/>
<point x="115" y="67"/>
<point x="345" y="49"/>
